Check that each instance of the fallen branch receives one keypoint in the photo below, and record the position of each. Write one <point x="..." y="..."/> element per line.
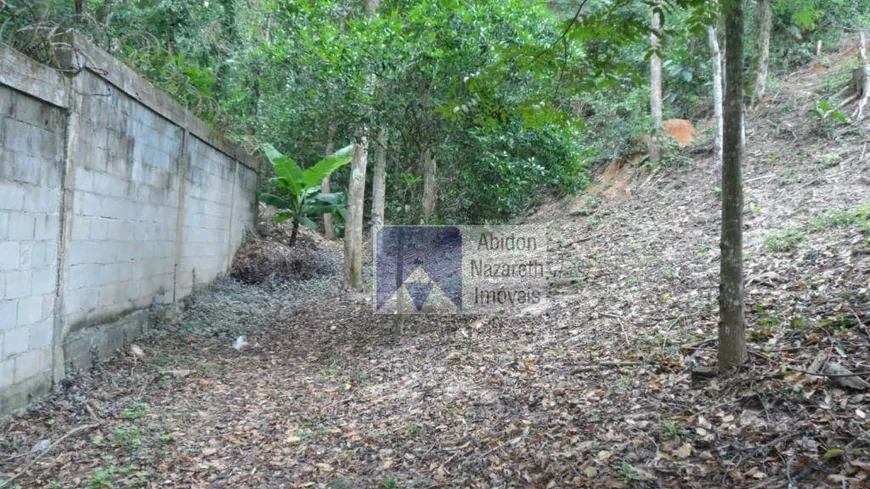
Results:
<point x="848" y="101"/>
<point x="697" y="345"/>
<point x="42" y="453"/>
<point x="579" y="240"/>
<point x="763" y="177"/>
<point x="589" y="368"/>
<point x="832" y="376"/>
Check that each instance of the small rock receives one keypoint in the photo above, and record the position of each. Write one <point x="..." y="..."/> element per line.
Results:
<point x="41" y="446"/>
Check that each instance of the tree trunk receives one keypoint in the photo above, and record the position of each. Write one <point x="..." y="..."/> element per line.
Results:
<point x="356" y="190"/>
<point x="655" y="85"/>
<point x="328" y="227"/>
<point x="865" y="81"/>
<point x="400" y="275"/>
<point x="732" y="334"/>
<point x="294" y="233"/>
<point x="353" y="227"/>
<point x="716" y="58"/>
<point x="762" y="51"/>
<point x="379" y="184"/>
<point x="430" y="185"/>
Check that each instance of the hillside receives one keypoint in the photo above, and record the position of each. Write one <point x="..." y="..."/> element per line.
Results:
<point x="595" y="391"/>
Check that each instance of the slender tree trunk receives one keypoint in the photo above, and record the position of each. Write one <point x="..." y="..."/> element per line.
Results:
<point x="379" y="183"/>
<point x="732" y="333"/>
<point x="294" y="233"/>
<point x="328" y="227"/>
<point x="865" y="85"/>
<point x="430" y="185"/>
<point x="716" y="59"/>
<point x="400" y="274"/>
<point x="356" y="189"/>
<point x="655" y="86"/>
<point x="379" y="188"/>
<point x="762" y="51"/>
<point x="353" y="227"/>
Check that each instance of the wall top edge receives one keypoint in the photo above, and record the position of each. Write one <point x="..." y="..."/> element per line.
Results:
<point x="74" y="53"/>
<point x="22" y="73"/>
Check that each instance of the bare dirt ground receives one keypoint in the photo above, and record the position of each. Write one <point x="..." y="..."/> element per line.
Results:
<point x="595" y="392"/>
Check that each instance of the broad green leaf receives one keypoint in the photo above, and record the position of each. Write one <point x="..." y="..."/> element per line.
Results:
<point x="290" y="186"/>
<point x="285" y="168"/>
<point x="325" y="167"/>
<point x="308" y="223"/>
<point x="332" y="198"/>
<point x="274" y="200"/>
<point x="320" y="208"/>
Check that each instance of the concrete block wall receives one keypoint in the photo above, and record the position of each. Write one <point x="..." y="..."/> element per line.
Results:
<point x="206" y="215"/>
<point x="31" y="166"/>
<point x="114" y="202"/>
<point x="121" y="253"/>
<point x="246" y="184"/>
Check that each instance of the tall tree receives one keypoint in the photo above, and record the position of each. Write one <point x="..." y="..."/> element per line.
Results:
<point x="379" y="182"/>
<point x="732" y="329"/>
<point x="764" y="19"/>
<point x="430" y="184"/>
<point x="356" y="188"/>
<point x="655" y="84"/>
<point x="716" y="60"/>
<point x="427" y="162"/>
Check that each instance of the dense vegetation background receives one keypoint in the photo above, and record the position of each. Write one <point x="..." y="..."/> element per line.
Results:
<point x="511" y="98"/>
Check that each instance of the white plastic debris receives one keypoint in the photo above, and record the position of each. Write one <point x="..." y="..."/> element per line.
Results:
<point x="240" y="343"/>
<point x="137" y="351"/>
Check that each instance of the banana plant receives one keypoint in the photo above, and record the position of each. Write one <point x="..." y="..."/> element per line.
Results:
<point x="297" y="192"/>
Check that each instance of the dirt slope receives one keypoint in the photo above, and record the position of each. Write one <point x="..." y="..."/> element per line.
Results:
<point x="596" y="392"/>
